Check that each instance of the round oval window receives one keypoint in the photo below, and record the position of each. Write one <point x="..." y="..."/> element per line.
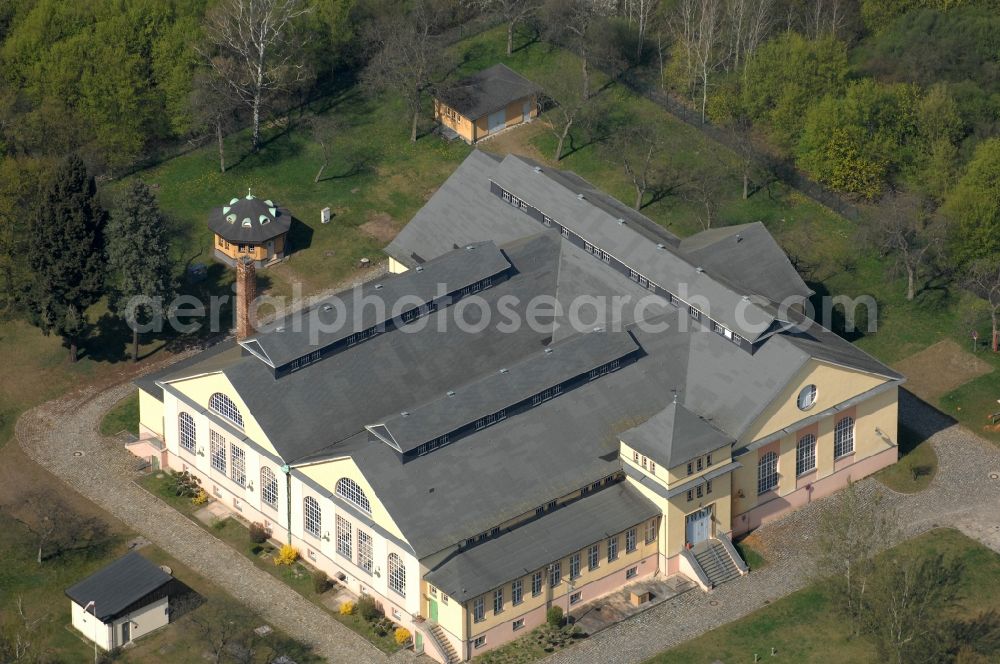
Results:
<point x="807" y="397"/>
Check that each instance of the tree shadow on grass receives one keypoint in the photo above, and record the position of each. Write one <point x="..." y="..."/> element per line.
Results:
<point x="299" y="236"/>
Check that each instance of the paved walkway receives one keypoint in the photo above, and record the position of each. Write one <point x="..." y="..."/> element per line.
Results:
<point x="962" y="495"/>
<point x="52" y="432"/>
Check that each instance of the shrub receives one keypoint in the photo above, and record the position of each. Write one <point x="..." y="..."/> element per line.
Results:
<point x="184" y="485"/>
<point x="368" y="609"/>
<point x="402" y="636"/>
<point x="259" y="533"/>
<point x="554" y="616"/>
<point x="200" y="498"/>
<point x="287" y="555"/>
<point x="321" y="582"/>
<point x="347" y="608"/>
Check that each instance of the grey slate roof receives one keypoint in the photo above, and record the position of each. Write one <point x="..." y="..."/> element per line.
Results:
<point x="530" y="547"/>
<point x="249" y="219"/>
<point x="119" y="585"/>
<point x="337" y="317"/>
<point x="674" y="436"/>
<point x="747" y="254"/>
<point x="535" y="373"/>
<point x="210" y="359"/>
<point x="488" y="90"/>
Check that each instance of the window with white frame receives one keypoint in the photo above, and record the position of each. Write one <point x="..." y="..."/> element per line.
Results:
<point x="397" y="574"/>
<point x="807" y="397"/>
<point x="479" y="641"/>
<point x="345" y="538"/>
<point x="555" y="574"/>
<point x="593" y="557"/>
<point x="479" y="611"/>
<point x="650" y="531"/>
<point x="767" y="472"/>
<point x="349" y="490"/>
<point x="222" y="405"/>
<point x="631" y="541"/>
<point x="498" y="601"/>
<point x="187" y="432"/>
<point x="517" y="592"/>
<point x="612" y="548"/>
<point x="576" y="597"/>
<point x="269" y="488"/>
<point x="574" y="565"/>
<point x="536" y="584"/>
<point x="843" y="437"/>
<point x="631" y="572"/>
<point x="365" y="551"/>
<point x="237" y="464"/>
<point x="312" y="517"/>
<point x="805" y="454"/>
<point x="217" y="450"/>
<point x="517" y="624"/>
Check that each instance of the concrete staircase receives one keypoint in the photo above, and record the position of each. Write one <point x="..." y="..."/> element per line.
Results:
<point x="443" y="644"/>
<point x="716" y="561"/>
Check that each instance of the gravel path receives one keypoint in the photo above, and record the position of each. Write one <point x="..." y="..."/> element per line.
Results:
<point x="52" y="432"/>
<point x="961" y="495"/>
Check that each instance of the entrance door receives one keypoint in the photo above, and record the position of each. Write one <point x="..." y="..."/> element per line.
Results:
<point x="126" y="631"/>
<point x="526" y="112"/>
<point x="432" y="609"/>
<point x="698" y="526"/>
<point x="498" y="120"/>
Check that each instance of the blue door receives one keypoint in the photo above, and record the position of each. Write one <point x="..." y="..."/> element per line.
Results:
<point x="526" y="112"/>
<point x="498" y="120"/>
<point x="698" y="526"/>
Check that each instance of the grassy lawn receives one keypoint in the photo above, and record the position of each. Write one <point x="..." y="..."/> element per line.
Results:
<point x="123" y="417"/>
<point x="803" y="627"/>
<point x="160" y="486"/>
<point x="41" y="591"/>
<point x="972" y="403"/>
<point x="751" y="556"/>
<point x="916" y="467"/>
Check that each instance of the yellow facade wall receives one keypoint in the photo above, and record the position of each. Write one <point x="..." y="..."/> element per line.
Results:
<point x="150" y="413"/>
<point x="257" y="252"/>
<point x="200" y="388"/>
<point x="326" y="475"/>
<point x="834" y="385"/>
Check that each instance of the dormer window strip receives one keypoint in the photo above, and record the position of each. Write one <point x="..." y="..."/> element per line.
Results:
<point x="525" y="404"/>
<point x="404" y="318"/>
<point x="616" y="264"/>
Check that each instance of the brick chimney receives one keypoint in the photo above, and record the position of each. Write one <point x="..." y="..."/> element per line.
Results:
<point x="246" y="292"/>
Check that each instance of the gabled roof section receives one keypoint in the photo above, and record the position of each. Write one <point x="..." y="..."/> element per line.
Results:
<point x="214" y="358"/>
<point x="747" y="254"/>
<point x="488" y="90"/>
<point x="117" y="586"/>
<point x="811" y="338"/>
<point x="334" y="319"/>
<point x="674" y="436"/>
<point x="502" y="389"/>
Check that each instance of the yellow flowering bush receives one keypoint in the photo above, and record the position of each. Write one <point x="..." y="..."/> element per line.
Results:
<point x="287" y="555"/>
<point x="402" y="636"/>
<point x="200" y="498"/>
<point x="347" y="608"/>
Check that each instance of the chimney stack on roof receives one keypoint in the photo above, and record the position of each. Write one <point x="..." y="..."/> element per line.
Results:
<point x="246" y="292"/>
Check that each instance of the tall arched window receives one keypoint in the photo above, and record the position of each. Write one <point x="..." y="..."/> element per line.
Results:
<point x="767" y="472"/>
<point x="269" y="488"/>
<point x="843" y="437"/>
<point x="349" y="490"/>
<point x="312" y="517"/>
<point x="805" y="454"/>
<point x="223" y="405"/>
<point x="397" y="574"/>
<point x="186" y="432"/>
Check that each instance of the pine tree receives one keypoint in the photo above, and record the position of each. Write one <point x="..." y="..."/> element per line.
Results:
<point x="139" y="263"/>
<point x="66" y="253"/>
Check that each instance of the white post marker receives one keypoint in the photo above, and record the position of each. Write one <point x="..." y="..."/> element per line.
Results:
<point x="324" y="217"/>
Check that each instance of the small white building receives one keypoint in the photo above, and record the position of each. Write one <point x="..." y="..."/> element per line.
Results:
<point x="122" y="602"/>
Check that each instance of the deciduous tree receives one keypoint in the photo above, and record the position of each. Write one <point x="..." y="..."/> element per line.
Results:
<point x="140" y="275"/>
<point x="903" y="227"/>
<point x="512" y="12"/>
<point x="983" y="279"/>
<point x="254" y="46"/>
<point x="212" y="109"/>
<point x="573" y="24"/>
<point x="974" y="206"/>
<point x="66" y="253"/>
<point x="566" y="105"/>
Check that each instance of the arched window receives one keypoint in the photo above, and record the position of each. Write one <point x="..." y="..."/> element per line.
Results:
<point x="767" y="472"/>
<point x="313" y="517"/>
<point x="269" y="488"/>
<point x="843" y="437"/>
<point x="397" y="574"/>
<point x="186" y="432"/>
<point x="349" y="490"/>
<point x="223" y="405"/>
<point x="805" y="454"/>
